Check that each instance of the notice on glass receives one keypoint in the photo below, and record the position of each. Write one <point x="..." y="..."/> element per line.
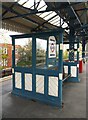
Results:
<point x="52" y="47"/>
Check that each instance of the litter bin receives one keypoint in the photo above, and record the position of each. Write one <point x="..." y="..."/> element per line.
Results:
<point x="80" y="66"/>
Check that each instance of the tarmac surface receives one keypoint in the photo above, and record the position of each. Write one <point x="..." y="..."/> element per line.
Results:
<point x="74" y="99"/>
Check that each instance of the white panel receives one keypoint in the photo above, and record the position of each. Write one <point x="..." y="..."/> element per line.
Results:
<point x="61" y="46"/>
<point x="60" y="76"/>
<point x="18" y="80"/>
<point x="78" y="65"/>
<point x="78" y="50"/>
<point x="66" y="69"/>
<point x="28" y="82"/>
<point x="73" y="71"/>
<point x="53" y="86"/>
<point x="40" y="84"/>
<point x="12" y="70"/>
<point x="50" y="65"/>
<point x="75" y="46"/>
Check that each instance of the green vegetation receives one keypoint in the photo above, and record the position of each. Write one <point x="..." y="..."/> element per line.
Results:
<point x="3" y="56"/>
<point x="65" y="55"/>
<point x="1" y="67"/>
<point x="25" y="55"/>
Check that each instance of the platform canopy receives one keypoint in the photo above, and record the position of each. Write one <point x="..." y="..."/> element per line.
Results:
<point x="27" y="16"/>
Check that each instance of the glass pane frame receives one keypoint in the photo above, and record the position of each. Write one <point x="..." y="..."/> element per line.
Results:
<point x="41" y="49"/>
<point x="23" y="52"/>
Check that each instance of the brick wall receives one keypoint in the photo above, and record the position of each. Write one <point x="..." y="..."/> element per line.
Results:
<point x="9" y="52"/>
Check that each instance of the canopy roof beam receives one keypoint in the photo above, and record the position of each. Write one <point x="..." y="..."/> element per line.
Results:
<point x="10" y="8"/>
<point x="13" y="11"/>
<point x="44" y="23"/>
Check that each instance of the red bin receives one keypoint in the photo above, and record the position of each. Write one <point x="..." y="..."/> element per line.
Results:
<point x="80" y="66"/>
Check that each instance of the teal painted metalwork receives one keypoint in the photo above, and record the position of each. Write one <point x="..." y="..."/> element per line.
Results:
<point x="34" y="70"/>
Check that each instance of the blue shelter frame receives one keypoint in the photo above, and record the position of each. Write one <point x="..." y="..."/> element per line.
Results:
<point x="45" y="73"/>
<point x="73" y="64"/>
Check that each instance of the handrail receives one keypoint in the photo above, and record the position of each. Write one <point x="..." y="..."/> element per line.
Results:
<point x="66" y="77"/>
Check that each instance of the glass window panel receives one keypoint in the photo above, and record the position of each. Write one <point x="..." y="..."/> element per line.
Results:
<point x="41" y="46"/>
<point x="23" y="52"/>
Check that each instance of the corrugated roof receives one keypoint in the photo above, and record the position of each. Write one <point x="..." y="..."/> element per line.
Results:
<point x="21" y="24"/>
<point x="39" y="15"/>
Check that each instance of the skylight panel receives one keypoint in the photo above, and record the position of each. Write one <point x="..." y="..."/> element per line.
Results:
<point x="21" y="1"/>
<point x="38" y="14"/>
<point x="43" y="15"/>
<point x="55" y="18"/>
<point x="40" y="7"/>
<point x="56" y="23"/>
<point x="49" y="16"/>
<point x="37" y="1"/>
<point x="29" y="4"/>
<point x="67" y="30"/>
<point x="65" y="25"/>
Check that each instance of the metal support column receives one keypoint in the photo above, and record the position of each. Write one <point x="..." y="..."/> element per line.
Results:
<point x="13" y="61"/>
<point x="60" y="64"/>
<point x="47" y="53"/>
<point x="71" y="44"/>
<point x="83" y="49"/>
<point x="78" y="58"/>
<point x="73" y="63"/>
<point x="34" y="64"/>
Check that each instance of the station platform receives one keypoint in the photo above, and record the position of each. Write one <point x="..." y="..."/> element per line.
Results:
<point x="74" y="99"/>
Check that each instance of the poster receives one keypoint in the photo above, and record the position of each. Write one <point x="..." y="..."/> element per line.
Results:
<point x="52" y="47"/>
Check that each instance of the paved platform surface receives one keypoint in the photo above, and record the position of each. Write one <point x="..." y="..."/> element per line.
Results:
<point x="74" y="98"/>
